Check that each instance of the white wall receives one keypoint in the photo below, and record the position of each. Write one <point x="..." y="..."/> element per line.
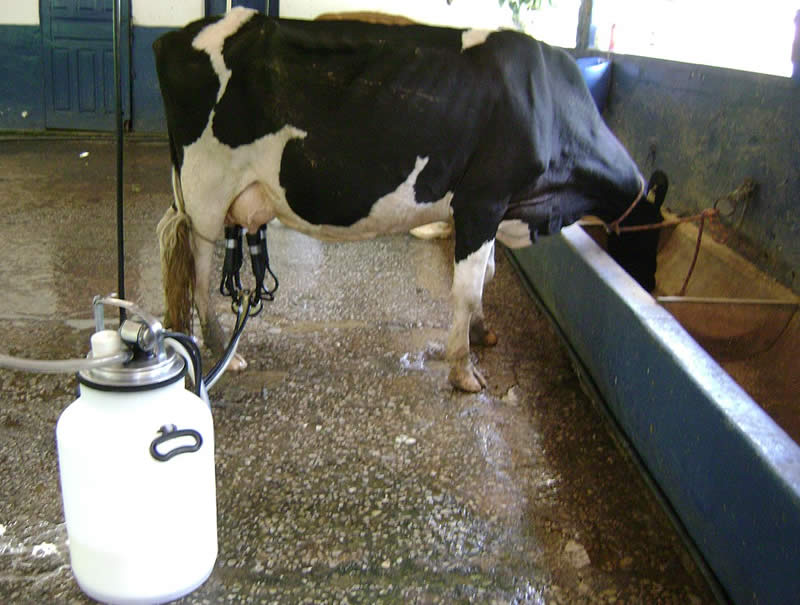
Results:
<point x="165" y="13"/>
<point x="460" y="13"/>
<point x="738" y="34"/>
<point x="19" y="12"/>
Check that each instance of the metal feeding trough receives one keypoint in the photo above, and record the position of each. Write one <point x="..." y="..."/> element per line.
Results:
<point x="703" y="386"/>
<point x="732" y="329"/>
<point x="746" y="321"/>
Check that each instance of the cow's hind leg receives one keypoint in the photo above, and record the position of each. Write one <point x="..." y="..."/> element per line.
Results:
<point x="468" y="279"/>
<point x="213" y="334"/>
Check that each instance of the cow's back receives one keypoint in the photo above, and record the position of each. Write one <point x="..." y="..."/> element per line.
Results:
<point x="493" y="112"/>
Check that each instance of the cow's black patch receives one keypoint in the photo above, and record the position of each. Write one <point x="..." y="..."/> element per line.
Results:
<point x="244" y="114"/>
<point x="188" y="84"/>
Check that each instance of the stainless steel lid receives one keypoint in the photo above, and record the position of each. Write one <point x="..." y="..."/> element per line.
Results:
<point x="136" y="374"/>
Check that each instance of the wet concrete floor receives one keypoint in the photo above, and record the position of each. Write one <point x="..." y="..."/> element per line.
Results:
<point x="348" y="469"/>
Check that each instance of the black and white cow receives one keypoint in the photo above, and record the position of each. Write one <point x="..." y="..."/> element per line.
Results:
<point x="346" y="130"/>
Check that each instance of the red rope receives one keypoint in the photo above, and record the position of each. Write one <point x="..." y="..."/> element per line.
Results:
<point x="614" y="226"/>
<point x="694" y="258"/>
<point x="708" y="213"/>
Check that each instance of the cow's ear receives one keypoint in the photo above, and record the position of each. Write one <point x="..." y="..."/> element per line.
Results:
<point x="657" y="188"/>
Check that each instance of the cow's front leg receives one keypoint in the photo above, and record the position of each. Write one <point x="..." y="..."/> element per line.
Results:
<point x="213" y="334"/>
<point x="468" y="278"/>
<point x="479" y="332"/>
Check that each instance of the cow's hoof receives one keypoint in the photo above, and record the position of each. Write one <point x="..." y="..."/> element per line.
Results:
<point x="465" y="377"/>
<point x="237" y="363"/>
<point x="482" y="336"/>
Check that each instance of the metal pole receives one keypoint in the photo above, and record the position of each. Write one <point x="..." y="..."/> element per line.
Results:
<point x="118" y="98"/>
<point x="584" y="25"/>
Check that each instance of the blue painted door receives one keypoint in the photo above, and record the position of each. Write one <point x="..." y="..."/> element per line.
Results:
<point x="77" y="39"/>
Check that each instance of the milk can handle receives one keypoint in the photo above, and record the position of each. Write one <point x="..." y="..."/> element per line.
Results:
<point x="169" y="432"/>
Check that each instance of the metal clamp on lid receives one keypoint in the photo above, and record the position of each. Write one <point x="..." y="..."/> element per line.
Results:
<point x="152" y="364"/>
<point x="151" y="341"/>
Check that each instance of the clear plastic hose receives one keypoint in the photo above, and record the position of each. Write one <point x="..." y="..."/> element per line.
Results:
<point x="62" y="366"/>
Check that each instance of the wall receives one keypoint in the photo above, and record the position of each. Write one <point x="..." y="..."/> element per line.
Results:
<point x="710" y="128"/>
<point x="22" y="85"/>
<point x="460" y="13"/>
<point x="163" y="13"/>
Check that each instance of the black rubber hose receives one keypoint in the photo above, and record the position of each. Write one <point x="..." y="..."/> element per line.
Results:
<point x="194" y="352"/>
<point x="241" y="321"/>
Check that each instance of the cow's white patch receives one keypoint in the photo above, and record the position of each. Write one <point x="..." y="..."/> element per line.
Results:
<point x="212" y="38"/>
<point x="437" y="230"/>
<point x="514" y="233"/>
<point x="473" y="37"/>
<point x="468" y="278"/>
<point x="213" y="175"/>
<point x="400" y="211"/>
<point x="469" y="273"/>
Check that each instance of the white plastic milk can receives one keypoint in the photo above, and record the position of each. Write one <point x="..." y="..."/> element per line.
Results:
<point x="136" y="459"/>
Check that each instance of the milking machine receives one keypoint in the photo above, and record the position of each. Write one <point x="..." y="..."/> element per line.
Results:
<point x="136" y="454"/>
<point x="231" y="283"/>
<point x="136" y="458"/>
<point x="136" y="449"/>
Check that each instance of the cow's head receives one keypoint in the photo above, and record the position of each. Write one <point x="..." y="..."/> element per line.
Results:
<point x="600" y="170"/>
<point x="636" y="251"/>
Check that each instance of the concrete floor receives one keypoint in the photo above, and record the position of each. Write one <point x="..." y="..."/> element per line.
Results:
<point x="348" y="469"/>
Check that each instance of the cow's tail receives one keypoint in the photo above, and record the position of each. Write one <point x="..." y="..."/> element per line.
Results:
<point x="177" y="261"/>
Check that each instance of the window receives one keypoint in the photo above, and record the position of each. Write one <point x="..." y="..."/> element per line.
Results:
<point x="739" y="34"/>
<point x="750" y="35"/>
<point x="554" y="22"/>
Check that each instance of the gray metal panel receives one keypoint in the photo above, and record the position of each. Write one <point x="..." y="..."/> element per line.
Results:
<point x="709" y="128"/>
